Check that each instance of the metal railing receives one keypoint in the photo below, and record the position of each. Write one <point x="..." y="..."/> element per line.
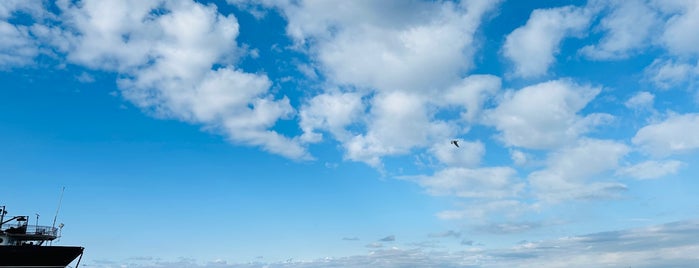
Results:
<point x="30" y="229"/>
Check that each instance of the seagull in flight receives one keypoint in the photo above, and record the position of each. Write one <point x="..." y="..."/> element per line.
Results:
<point x="455" y="142"/>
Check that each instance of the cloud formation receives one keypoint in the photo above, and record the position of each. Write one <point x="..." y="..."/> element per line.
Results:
<point x="628" y="28"/>
<point x="545" y="115"/>
<point x="169" y="70"/>
<point x="400" y="82"/>
<point x="667" y="245"/>
<point x="533" y="47"/>
<point x="671" y="136"/>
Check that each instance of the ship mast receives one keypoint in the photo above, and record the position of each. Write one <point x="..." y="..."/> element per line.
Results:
<point x="59" y="207"/>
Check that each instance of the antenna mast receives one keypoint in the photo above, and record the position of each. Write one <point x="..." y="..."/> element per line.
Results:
<point x="53" y="226"/>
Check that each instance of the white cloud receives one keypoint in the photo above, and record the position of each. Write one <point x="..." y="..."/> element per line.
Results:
<point x="519" y="158"/>
<point x="667" y="245"/>
<point x="572" y="172"/>
<point x="544" y="116"/>
<point x="400" y="56"/>
<point x="533" y="46"/>
<point x="676" y="36"/>
<point x="397" y="45"/>
<point x="331" y="112"/>
<point x="9" y="7"/>
<point x="165" y="52"/>
<point x="486" y="182"/>
<point x="472" y="93"/>
<point x="667" y="74"/>
<point x="479" y="212"/>
<point x="398" y="122"/>
<point x="674" y="135"/>
<point x="468" y="154"/>
<point x="642" y="100"/>
<point x="17" y="47"/>
<point x="449" y="233"/>
<point x="628" y="28"/>
<point x="651" y="169"/>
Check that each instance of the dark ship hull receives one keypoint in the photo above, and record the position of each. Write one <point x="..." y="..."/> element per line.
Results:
<point x="38" y="256"/>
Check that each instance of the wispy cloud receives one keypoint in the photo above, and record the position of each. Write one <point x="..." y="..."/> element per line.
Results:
<point x="667" y="245"/>
<point x="389" y="238"/>
<point x="450" y="233"/>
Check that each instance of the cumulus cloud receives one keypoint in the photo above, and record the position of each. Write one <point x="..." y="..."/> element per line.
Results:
<point x="532" y="47"/>
<point x="651" y="169"/>
<point x="628" y="28"/>
<point x="675" y="36"/>
<point x="17" y="47"/>
<point x="519" y="158"/>
<point x="572" y="172"/>
<point x="642" y="100"/>
<point x="9" y="8"/>
<point x="166" y="53"/>
<point x="472" y="93"/>
<point x="331" y="112"/>
<point x="484" y="182"/>
<point x="398" y="122"/>
<point x="397" y="45"/>
<point x="402" y="62"/>
<point x="671" y="136"/>
<point x="545" y="115"/>
<point x="667" y="74"/>
<point x="468" y="154"/>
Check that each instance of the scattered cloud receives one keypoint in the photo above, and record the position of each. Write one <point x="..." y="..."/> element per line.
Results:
<point x="374" y="245"/>
<point x="675" y="36"/>
<point x="387" y="83"/>
<point x="509" y="227"/>
<point x="397" y="46"/>
<point x="519" y="158"/>
<point x="480" y="212"/>
<point x="389" y="238"/>
<point x="17" y="47"/>
<point x="652" y="169"/>
<point x="468" y="154"/>
<point x="627" y="29"/>
<point x="449" y="233"/>
<point x="641" y="101"/>
<point x="545" y="115"/>
<point x="472" y="93"/>
<point x="533" y="47"/>
<point x="666" y="245"/>
<point x="565" y="177"/>
<point x="467" y="242"/>
<point x="398" y="122"/>
<point x="331" y="112"/>
<point x="486" y="182"/>
<point x="671" y="136"/>
<point x="168" y="71"/>
<point x="668" y="74"/>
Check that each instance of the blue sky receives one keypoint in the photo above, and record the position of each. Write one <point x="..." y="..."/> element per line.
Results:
<point x="317" y="133"/>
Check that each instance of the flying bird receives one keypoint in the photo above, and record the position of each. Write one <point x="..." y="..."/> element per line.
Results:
<point x="455" y="142"/>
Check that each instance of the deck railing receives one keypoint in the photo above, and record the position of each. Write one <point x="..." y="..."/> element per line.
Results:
<point x="30" y="229"/>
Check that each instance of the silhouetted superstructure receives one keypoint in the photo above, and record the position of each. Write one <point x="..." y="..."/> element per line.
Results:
<point x="26" y="245"/>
